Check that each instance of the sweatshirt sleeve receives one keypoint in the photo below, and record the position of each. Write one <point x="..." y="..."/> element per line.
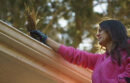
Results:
<point x="126" y="73"/>
<point x="78" y="57"/>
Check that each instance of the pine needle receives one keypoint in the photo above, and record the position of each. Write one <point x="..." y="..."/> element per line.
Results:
<point x="30" y="18"/>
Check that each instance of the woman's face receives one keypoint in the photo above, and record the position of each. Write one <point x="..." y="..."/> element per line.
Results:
<point x="103" y="37"/>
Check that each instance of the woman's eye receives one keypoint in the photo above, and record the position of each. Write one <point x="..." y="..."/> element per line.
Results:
<point x="100" y="30"/>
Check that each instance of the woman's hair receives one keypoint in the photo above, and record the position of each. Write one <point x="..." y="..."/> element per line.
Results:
<point x="119" y="37"/>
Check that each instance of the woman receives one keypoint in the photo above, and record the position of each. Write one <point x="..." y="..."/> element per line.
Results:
<point x="111" y="67"/>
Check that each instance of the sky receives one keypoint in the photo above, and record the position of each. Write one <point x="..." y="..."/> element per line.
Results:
<point x="100" y="8"/>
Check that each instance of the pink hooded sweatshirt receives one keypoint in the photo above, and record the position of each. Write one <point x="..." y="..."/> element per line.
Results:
<point x="104" y="70"/>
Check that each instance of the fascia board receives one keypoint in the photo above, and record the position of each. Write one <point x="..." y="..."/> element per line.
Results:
<point x="41" y="53"/>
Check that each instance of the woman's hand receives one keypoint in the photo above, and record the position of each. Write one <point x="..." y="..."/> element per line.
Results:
<point x="36" y="34"/>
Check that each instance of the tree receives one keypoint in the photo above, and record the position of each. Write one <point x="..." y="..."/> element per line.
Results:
<point x="80" y="16"/>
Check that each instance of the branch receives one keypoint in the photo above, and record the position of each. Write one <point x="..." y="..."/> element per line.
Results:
<point x="51" y="21"/>
<point x="30" y="18"/>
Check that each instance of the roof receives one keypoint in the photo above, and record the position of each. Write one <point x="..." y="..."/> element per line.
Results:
<point x="26" y="60"/>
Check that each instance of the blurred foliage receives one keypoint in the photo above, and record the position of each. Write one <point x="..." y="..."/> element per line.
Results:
<point x="79" y="14"/>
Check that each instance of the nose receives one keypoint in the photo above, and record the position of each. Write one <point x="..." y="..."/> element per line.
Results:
<point x="97" y="35"/>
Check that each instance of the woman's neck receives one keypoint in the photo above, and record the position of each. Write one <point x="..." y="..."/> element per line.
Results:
<point x="108" y="46"/>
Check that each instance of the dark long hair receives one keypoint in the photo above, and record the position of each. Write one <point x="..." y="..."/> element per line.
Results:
<point x="118" y="34"/>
